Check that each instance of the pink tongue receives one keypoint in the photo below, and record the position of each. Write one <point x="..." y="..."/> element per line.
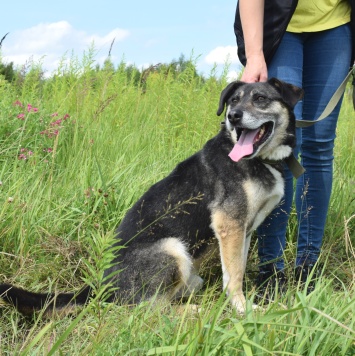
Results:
<point x="244" y="146"/>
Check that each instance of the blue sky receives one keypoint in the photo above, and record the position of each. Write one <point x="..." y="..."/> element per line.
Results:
<point x="146" y="32"/>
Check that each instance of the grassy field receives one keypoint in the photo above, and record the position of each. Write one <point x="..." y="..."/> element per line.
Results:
<point x="76" y="152"/>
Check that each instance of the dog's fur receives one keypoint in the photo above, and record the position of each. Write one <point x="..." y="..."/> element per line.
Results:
<point x="207" y="198"/>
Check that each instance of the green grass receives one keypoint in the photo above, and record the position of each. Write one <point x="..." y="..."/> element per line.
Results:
<point x="60" y="206"/>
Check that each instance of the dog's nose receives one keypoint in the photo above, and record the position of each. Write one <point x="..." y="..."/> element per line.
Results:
<point x="234" y="116"/>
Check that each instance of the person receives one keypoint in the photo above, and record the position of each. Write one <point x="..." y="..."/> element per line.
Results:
<point x="309" y="44"/>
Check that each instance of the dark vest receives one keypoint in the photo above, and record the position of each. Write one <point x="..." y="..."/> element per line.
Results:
<point x="277" y="15"/>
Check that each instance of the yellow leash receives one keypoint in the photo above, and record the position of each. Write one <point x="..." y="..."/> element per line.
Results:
<point x="292" y="162"/>
<point x="332" y="103"/>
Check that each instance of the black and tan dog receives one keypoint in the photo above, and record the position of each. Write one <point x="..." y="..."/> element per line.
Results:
<point x="221" y="193"/>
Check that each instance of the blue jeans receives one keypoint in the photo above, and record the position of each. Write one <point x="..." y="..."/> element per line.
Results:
<point x="318" y="62"/>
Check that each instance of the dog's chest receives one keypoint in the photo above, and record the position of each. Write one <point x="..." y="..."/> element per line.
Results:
<point x="262" y="199"/>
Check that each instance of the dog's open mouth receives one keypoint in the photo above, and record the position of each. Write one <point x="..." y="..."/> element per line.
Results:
<point x="249" y="141"/>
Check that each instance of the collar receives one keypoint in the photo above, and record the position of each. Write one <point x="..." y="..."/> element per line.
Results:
<point x="292" y="163"/>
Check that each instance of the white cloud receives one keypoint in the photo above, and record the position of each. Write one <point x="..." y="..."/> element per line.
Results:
<point x="48" y="42"/>
<point x="117" y="34"/>
<point x="222" y="55"/>
<point x="233" y="75"/>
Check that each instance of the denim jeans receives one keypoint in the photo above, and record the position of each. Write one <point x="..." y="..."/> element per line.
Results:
<point x="318" y="62"/>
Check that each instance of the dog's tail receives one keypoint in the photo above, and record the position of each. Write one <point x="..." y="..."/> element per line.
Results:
<point x="28" y="303"/>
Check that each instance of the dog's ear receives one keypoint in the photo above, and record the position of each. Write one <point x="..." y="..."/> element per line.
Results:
<point x="290" y="93"/>
<point x="226" y="93"/>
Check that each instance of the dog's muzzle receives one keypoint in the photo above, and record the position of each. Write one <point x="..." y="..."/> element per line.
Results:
<point x="249" y="140"/>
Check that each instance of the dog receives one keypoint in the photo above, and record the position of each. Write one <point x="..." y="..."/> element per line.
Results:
<point x="216" y="197"/>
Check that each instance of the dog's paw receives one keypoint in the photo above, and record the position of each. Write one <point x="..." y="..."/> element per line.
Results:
<point x="194" y="283"/>
<point x="258" y="308"/>
<point x="239" y="303"/>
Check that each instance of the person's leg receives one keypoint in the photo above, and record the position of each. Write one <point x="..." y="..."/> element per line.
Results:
<point x="326" y="63"/>
<point x="286" y="65"/>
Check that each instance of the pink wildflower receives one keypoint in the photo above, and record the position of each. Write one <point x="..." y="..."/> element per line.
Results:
<point x="30" y="108"/>
<point x="56" y="123"/>
<point x="54" y="114"/>
<point x="21" y="116"/>
<point x="18" y="103"/>
<point x="23" y="150"/>
<point x="66" y="116"/>
<point x="22" y="156"/>
<point x="50" y="133"/>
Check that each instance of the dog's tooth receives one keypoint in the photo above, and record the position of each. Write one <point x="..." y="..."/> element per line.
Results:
<point x="262" y="131"/>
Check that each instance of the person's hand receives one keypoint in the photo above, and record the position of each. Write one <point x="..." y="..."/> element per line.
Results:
<point x="255" y="69"/>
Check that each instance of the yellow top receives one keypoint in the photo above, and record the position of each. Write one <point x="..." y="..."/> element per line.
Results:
<point x="319" y="15"/>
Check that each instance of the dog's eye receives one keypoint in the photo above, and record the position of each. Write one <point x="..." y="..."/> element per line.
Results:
<point x="259" y="98"/>
<point x="235" y="99"/>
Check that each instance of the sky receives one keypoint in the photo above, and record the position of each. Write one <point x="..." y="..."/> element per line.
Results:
<point x="145" y="32"/>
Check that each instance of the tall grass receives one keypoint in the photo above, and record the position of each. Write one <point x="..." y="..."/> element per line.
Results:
<point x="73" y="162"/>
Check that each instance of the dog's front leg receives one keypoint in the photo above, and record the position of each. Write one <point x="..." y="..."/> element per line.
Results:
<point x="232" y="244"/>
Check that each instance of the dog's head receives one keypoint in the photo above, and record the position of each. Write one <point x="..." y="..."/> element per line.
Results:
<point x="260" y="119"/>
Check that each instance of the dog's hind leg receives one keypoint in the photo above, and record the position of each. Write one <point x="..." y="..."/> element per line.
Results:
<point x="149" y="270"/>
<point x="189" y="281"/>
<point x="233" y="249"/>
